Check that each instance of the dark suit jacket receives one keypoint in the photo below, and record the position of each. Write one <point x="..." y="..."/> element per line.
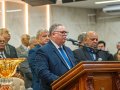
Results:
<point x="11" y="51"/>
<point x="49" y="65"/>
<point x="21" y="52"/>
<point x="31" y="57"/>
<point x="82" y="54"/>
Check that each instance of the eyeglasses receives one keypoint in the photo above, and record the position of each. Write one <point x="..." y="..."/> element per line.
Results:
<point x="62" y="32"/>
<point x="93" y="39"/>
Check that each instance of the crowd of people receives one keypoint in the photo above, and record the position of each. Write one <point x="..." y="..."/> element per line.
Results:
<point x="47" y="56"/>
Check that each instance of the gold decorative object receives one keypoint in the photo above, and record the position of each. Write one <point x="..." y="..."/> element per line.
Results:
<point x="8" y="68"/>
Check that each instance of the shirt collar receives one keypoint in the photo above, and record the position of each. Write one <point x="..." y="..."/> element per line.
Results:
<point x="55" y="44"/>
<point x="26" y="48"/>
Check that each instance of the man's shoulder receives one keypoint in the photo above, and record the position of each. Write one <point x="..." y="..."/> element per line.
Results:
<point x="11" y="46"/>
<point x="19" y="47"/>
<point x="34" y="49"/>
<point x="78" y="50"/>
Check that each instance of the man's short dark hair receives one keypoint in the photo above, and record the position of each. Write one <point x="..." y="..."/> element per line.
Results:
<point x="102" y="42"/>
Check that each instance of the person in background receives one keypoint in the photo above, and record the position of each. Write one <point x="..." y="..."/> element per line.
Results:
<point x="10" y="50"/>
<point x="53" y="59"/>
<point x="3" y="53"/>
<point x="117" y="57"/>
<point x="24" y="68"/>
<point x="102" y="46"/>
<point x="22" y="50"/>
<point x="42" y="38"/>
<point x="33" y="42"/>
<point x="81" y="38"/>
<point x="89" y="51"/>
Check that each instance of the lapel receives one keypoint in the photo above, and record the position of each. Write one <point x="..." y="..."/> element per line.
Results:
<point x="8" y="49"/>
<point x="7" y="56"/>
<point x="86" y="53"/>
<point x="57" y="53"/>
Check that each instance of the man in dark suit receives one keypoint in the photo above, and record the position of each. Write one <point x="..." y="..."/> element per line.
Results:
<point x="10" y="50"/>
<point x="89" y="52"/>
<point x="49" y="63"/>
<point x="42" y="38"/>
<point x="102" y="46"/>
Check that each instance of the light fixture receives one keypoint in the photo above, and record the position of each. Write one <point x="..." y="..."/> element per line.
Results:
<point x="110" y="1"/>
<point x="16" y="10"/>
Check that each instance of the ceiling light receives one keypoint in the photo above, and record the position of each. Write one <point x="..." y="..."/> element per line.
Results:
<point x="17" y="10"/>
<point x="111" y="1"/>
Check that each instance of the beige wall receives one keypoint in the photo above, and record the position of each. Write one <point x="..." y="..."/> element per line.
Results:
<point x="108" y="28"/>
<point x="76" y="20"/>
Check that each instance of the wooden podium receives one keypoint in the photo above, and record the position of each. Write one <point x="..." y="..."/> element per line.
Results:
<point x="90" y="76"/>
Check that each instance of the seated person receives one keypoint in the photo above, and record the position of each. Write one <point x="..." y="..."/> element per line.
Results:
<point x="89" y="51"/>
<point x="102" y="46"/>
<point x="3" y="54"/>
<point x="9" y="49"/>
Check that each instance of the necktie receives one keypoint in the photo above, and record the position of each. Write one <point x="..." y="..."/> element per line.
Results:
<point x="92" y="53"/>
<point x="64" y="56"/>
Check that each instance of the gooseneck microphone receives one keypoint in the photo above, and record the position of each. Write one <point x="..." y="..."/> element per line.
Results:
<point x="74" y="42"/>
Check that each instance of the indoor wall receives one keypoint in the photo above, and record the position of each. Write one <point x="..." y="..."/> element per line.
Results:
<point x="76" y="20"/>
<point x="108" y="28"/>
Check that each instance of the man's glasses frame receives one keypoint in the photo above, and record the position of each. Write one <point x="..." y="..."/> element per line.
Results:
<point x="62" y="32"/>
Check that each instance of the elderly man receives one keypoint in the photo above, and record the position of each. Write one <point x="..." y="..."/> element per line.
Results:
<point x="3" y="53"/>
<point x="24" y="68"/>
<point x="10" y="50"/>
<point x="53" y="59"/>
<point x="42" y="38"/>
<point x="22" y="50"/>
<point x="89" y="51"/>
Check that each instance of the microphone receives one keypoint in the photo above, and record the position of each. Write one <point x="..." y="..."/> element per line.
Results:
<point x="72" y="40"/>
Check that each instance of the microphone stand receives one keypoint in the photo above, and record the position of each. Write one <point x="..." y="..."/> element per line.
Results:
<point x="78" y="44"/>
<point x="95" y="49"/>
<point x="75" y="43"/>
